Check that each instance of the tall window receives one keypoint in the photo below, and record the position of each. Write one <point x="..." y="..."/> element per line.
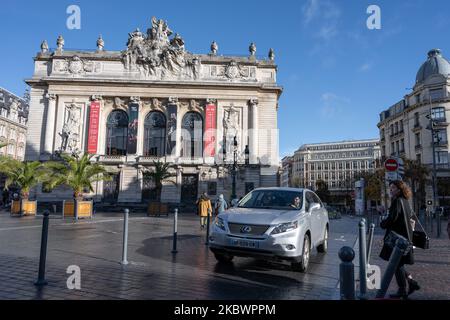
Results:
<point x="117" y="133"/>
<point x="155" y="134"/>
<point x="417" y="136"/>
<point x="441" y="157"/>
<point x="438" y="114"/>
<point x="192" y="135"/>
<point x="416" y="119"/>
<point x="440" y="136"/>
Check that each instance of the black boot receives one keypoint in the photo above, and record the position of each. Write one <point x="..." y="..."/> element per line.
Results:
<point x="413" y="286"/>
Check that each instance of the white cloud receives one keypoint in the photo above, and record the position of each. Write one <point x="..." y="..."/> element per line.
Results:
<point x="332" y="104"/>
<point x="323" y="16"/>
<point x="365" y="67"/>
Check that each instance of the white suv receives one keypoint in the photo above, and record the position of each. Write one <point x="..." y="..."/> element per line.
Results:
<point x="272" y="223"/>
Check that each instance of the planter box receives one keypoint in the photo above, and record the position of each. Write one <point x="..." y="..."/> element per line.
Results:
<point x="85" y="209"/>
<point x="157" y="209"/>
<point x="29" y="208"/>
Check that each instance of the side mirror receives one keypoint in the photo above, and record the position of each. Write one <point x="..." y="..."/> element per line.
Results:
<point x="314" y="206"/>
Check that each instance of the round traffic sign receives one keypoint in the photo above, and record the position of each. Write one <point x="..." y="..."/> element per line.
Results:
<point x="391" y="165"/>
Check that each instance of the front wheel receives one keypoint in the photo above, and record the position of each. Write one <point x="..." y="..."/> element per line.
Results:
<point x="223" y="257"/>
<point x="303" y="264"/>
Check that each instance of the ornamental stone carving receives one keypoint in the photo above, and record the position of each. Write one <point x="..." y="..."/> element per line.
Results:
<point x="159" y="56"/>
<point x="96" y="98"/>
<point x="60" y="43"/>
<point x="100" y="43"/>
<point x="234" y="71"/>
<point x="44" y="47"/>
<point x="70" y="134"/>
<point x="76" y="66"/>
<point x="135" y="99"/>
<point x="214" y="48"/>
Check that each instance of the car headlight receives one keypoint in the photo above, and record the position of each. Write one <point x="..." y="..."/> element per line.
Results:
<point x="285" y="227"/>
<point x="219" y="223"/>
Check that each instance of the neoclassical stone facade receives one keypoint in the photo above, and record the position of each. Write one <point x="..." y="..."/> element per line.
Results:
<point x="13" y="124"/>
<point x="157" y="101"/>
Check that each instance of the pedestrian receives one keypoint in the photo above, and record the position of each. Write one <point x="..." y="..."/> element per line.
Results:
<point x="220" y="205"/>
<point x="399" y="220"/>
<point x="204" y="209"/>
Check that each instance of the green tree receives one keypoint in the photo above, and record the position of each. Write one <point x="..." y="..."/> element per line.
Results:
<point x="23" y="175"/>
<point x="158" y="174"/>
<point x="76" y="172"/>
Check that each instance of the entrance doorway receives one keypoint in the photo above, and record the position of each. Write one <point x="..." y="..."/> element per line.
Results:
<point x="189" y="189"/>
<point x="111" y="189"/>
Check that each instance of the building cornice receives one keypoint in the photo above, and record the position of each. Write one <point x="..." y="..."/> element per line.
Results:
<point x="153" y="83"/>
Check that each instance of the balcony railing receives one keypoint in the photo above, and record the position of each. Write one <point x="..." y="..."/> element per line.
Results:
<point x="112" y="159"/>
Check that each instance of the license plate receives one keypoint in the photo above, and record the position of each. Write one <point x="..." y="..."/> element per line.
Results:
<point x="244" y="243"/>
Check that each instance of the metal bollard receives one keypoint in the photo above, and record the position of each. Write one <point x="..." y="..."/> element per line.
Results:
<point x="438" y="223"/>
<point x="175" y="231"/>
<point x="400" y="248"/>
<point x="362" y="260"/>
<point x="347" y="273"/>
<point x="370" y="242"/>
<point x="43" y="256"/>
<point x="431" y="221"/>
<point x="125" y="237"/>
<point x="208" y="223"/>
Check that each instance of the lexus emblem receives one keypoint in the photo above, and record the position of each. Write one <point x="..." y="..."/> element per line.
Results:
<point x="246" y="229"/>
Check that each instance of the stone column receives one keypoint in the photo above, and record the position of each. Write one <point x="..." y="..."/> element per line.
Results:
<point x="253" y="104"/>
<point x="174" y="101"/>
<point x="50" y="123"/>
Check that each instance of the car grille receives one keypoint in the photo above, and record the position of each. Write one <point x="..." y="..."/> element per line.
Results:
<point x="255" y="230"/>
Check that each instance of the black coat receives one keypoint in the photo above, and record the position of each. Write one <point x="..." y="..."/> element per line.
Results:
<point x="396" y="222"/>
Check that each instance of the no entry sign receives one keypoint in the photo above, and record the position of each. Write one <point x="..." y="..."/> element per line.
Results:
<point x="391" y="165"/>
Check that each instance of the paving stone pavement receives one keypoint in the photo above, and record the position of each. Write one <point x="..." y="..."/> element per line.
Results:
<point x="431" y="268"/>
<point x="192" y="274"/>
<point x="154" y="272"/>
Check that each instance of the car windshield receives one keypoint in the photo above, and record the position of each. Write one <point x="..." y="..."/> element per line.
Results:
<point x="273" y="199"/>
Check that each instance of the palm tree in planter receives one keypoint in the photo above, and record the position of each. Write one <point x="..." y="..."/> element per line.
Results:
<point x="159" y="174"/>
<point x="76" y="172"/>
<point x="24" y="175"/>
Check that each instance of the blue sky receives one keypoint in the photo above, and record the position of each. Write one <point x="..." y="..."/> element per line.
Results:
<point x="337" y="74"/>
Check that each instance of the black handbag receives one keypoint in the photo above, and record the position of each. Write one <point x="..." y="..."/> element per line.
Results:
<point x="420" y="239"/>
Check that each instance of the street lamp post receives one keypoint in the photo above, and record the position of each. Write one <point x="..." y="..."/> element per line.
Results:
<point x="234" y="169"/>
<point x="234" y="166"/>
<point x="433" y="135"/>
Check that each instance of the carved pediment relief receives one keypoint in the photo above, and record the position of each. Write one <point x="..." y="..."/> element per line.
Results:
<point x="233" y="71"/>
<point x="76" y="66"/>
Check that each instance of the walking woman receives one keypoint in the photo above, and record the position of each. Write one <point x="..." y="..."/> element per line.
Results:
<point x="204" y="209"/>
<point x="221" y="205"/>
<point x="399" y="220"/>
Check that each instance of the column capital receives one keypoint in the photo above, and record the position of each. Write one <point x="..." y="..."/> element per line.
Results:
<point x="96" y="98"/>
<point x="173" y="100"/>
<point x="135" y="99"/>
<point x="253" y="102"/>
<point x="211" y="101"/>
<point x="50" y="96"/>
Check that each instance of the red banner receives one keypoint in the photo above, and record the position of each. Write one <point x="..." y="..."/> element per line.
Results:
<point x="94" y="115"/>
<point x="210" y="130"/>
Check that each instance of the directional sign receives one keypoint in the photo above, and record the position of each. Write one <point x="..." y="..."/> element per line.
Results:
<point x="391" y="165"/>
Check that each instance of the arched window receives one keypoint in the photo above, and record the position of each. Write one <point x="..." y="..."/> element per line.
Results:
<point x="117" y="133"/>
<point x="192" y="135"/>
<point x="155" y="134"/>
